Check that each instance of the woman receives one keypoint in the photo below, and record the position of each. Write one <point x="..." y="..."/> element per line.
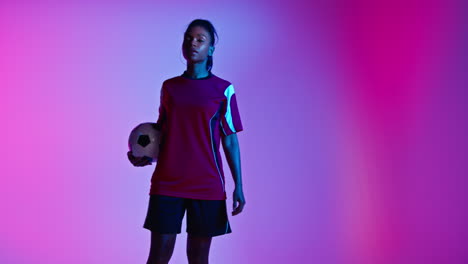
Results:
<point x="198" y="110"/>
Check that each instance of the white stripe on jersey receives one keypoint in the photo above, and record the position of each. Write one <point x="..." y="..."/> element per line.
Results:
<point x="229" y="92"/>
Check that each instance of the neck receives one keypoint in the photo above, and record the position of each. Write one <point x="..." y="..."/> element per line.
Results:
<point x="197" y="70"/>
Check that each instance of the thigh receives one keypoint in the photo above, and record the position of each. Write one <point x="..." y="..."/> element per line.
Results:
<point x="162" y="242"/>
<point x="162" y="247"/>
<point x="198" y="242"/>
<point x="207" y="218"/>
<point x="165" y="214"/>
<point x="198" y="248"/>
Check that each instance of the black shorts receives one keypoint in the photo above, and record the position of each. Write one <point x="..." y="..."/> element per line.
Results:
<point x="204" y="217"/>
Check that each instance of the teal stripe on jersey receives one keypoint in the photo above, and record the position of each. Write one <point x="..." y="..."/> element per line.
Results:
<point x="229" y="92"/>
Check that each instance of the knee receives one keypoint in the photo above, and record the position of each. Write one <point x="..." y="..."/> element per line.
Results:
<point x="198" y="249"/>
<point x="197" y="259"/>
<point x="160" y="255"/>
<point x="197" y="256"/>
<point x="158" y="259"/>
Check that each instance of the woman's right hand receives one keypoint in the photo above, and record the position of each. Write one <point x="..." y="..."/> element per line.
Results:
<point x="138" y="161"/>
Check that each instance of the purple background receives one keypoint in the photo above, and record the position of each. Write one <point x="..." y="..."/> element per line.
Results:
<point x="354" y="148"/>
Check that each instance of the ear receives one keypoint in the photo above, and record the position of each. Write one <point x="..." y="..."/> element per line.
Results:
<point x="211" y="50"/>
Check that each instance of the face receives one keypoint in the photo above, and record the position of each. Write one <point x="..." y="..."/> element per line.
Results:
<point x="196" y="46"/>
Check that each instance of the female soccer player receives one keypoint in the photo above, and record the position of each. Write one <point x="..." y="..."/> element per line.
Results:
<point x="198" y="110"/>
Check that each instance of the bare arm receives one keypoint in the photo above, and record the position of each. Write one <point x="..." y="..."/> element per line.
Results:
<point x="232" y="152"/>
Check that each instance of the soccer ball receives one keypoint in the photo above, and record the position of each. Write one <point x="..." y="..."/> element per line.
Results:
<point x="144" y="140"/>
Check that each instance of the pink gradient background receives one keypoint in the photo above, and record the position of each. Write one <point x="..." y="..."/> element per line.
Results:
<point x="354" y="149"/>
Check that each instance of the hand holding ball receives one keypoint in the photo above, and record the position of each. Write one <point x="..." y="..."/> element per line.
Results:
<point x="144" y="143"/>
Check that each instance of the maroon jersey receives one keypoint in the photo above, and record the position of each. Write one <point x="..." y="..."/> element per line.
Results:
<point x="193" y="116"/>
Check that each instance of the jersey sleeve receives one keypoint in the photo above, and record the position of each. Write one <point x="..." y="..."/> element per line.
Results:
<point x="162" y="109"/>
<point x="230" y="118"/>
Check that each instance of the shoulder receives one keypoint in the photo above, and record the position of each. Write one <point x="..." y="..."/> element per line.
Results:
<point x="172" y="81"/>
<point x="221" y="81"/>
<point x="223" y="85"/>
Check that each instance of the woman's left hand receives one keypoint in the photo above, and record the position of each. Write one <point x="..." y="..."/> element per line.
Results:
<point x="238" y="196"/>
